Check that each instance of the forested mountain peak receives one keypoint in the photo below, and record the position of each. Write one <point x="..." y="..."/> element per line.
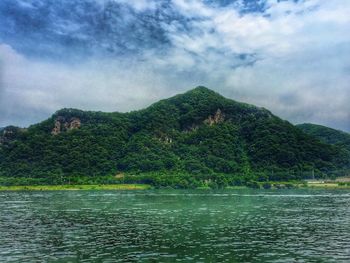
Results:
<point x="202" y="90"/>
<point x="197" y="132"/>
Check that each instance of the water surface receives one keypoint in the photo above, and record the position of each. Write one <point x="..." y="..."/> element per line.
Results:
<point x="175" y="226"/>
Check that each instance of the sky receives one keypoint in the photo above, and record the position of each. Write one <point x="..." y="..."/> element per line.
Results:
<point x="291" y="57"/>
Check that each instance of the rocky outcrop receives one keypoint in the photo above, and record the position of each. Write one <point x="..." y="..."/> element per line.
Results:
<point x="57" y="129"/>
<point x="166" y="140"/>
<point x="218" y="117"/>
<point x="10" y="133"/>
<point x="2" y="137"/>
<point x="63" y="125"/>
<point x="75" y="123"/>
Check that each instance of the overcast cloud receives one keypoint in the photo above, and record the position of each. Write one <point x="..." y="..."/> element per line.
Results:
<point x="292" y="57"/>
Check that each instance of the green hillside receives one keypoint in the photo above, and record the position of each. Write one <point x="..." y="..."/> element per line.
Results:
<point x="327" y="135"/>
<point x="198" y="133"/>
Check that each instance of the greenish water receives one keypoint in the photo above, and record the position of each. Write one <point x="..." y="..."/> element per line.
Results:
<point x="175" y="226"/>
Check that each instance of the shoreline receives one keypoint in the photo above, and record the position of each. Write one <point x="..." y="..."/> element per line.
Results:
<point x="120" y="187"/>
<point x="131" y="187"/>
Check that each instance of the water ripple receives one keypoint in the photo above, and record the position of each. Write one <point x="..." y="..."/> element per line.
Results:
<point x="175" y="226"/>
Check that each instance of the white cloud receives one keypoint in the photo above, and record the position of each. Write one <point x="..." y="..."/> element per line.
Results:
<point x="192" y="8"/>
<point x="304" y="52"/>
<point x="32" y="90"/>
<point x="301" y="73"/>
<point x="138" y="5"/>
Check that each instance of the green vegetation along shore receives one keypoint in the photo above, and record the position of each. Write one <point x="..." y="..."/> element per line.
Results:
<point x="253" y="184"/>
<point x="75" y="187"/>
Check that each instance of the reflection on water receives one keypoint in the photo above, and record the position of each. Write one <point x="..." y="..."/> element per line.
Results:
<point x="175" y="226"/>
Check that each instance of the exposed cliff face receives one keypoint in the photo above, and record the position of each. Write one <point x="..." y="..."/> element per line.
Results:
<point x="211" y="120"/>
<point x="9" y="133"/>
<point x="62" y="125"/>
<point x="218" y="117"/>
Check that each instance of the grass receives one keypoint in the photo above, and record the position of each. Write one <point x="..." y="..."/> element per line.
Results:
<point x="272" y="185"/>
<point x="236" y="187"/>
<point x="75" y="187"/>
<point x="329" y="185"/>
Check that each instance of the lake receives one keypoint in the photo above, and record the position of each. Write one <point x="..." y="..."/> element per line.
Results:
<point x="245" y="225"/>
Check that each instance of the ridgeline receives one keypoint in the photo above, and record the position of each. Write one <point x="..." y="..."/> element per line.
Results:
<point x="327" y="135"/>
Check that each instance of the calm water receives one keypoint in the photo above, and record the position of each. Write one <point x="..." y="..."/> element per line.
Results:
<point x="175" y="226"/>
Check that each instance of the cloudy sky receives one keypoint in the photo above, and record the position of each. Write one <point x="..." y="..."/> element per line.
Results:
<point x="292" y="56"/>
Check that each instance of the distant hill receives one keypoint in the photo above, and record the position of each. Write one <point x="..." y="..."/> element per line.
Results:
<point x="327" y="135"/>
<point x="198" y="132"/>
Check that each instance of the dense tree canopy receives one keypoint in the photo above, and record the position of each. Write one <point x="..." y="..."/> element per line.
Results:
<point x="198" y="133"/>
<point x="327" y="135"/>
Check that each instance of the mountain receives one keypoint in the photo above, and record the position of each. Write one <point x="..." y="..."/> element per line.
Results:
<point x="199" y="132"/>
<point x="327" y="135"/>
